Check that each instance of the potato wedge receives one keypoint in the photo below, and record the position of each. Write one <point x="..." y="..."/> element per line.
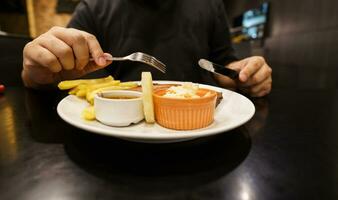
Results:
<point x="147" y="96"/>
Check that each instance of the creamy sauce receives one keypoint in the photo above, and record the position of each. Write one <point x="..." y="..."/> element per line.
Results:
<point x="184" y="91"/>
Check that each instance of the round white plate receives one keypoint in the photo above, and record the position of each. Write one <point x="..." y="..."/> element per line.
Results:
<point x="233" y="111"/>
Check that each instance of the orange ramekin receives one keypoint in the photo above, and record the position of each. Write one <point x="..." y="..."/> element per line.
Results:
<point x="184" y="114"/>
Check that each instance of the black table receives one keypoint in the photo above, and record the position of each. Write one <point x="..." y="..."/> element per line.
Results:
<point x="289" y="150"/>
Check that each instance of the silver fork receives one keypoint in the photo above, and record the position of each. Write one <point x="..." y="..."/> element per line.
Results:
<point x="140" y="57"/>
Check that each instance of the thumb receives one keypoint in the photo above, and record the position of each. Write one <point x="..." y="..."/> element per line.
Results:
<point x="93" y="66"/>
<point x="95" y="49"/>
<point x="239" y="66"/>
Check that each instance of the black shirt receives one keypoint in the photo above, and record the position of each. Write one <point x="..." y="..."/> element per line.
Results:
<point x="177" y="32"/>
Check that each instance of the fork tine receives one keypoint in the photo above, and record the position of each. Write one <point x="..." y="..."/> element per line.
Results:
<point x="153" y="61"/>
<point x="149" y="60"/>
<point x="163" y="70"/>
<point x="158" y="64"/>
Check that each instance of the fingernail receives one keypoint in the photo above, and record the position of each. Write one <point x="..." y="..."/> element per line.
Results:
<point x="108" y="56"/>
<point x="102" y="60"/>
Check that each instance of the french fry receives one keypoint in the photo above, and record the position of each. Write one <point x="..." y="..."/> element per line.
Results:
<point x="81" y="93"/>
<point x="88" y="113"/>
<point x="87" y="88"/>
<point x="93" y="87"/>
<point x="73" y="91"/>
<point x="81" y="90"/>
<point x="66" y="85"/>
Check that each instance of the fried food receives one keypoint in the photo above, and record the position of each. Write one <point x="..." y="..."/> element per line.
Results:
<point x="90" y="95"/>
<point x="66" y="85"/>
<point x="147" y="95"/>
<point x="88" y="113"/>
<point x="87" y="88"/>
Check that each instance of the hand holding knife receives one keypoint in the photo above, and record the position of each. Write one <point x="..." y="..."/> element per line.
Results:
<point x="218" y="69"/>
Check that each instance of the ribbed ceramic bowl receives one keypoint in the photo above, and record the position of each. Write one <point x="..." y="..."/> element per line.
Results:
<point x="184" y="114"/>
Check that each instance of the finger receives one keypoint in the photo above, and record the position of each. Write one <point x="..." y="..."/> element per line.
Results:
<point x="108" y="56"/>
<point x="95" y="49"/>
<point x="238" y="65"/>
<point x="262" y="93"/>
<point x="60" y="49"/>
<point x="75" y="39"/>
<point x="263" y="86"/>
<point x="252" y="66"/>
<point x="44" y="58"/>
<point x="262" y="74"/>
<point x="92" y="66"/>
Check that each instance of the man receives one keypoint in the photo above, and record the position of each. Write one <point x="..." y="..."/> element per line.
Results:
<point x="177" y="32"/>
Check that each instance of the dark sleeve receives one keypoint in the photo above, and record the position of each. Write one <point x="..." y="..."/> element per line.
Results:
<point x="83" y="19"/>
<point x="221" y="49"/>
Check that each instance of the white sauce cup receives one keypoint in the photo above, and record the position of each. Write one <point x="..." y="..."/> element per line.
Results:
<point x="112" y="111"/>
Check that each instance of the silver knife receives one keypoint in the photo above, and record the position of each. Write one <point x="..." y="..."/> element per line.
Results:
<point x="219" y="69"/>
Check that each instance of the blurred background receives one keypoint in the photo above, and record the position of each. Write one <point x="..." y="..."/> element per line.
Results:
<point x="297" y="38"/>
<point x="34" y="17"/>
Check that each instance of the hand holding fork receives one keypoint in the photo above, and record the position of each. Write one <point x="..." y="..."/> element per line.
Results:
<point x="64" y="54"/>
<point x="139" y="57"/>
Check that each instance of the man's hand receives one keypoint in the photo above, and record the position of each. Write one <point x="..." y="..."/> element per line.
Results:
<point x="61" y="53"/>
<point x="254" y="76"/>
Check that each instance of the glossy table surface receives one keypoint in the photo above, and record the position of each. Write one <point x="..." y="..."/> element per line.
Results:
<point x="289" y="150"/>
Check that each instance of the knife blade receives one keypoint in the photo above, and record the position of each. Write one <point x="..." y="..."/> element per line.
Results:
<point x="219" y="69"/>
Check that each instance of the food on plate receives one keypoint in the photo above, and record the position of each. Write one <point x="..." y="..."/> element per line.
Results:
<point x="185" y="107"/>
<point x="157" y="86"/>
<point x="185" y="91"/>
<point x="112" y="110"/>
<point x="87" y="88"/>
<point x="88" y="113"/>
<point x="147" y="96"/>
<point x="121" y="86"/>
<point x="66" y="85"/>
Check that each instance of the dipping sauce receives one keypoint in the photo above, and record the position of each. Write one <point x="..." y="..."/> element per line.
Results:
<point x="118" y="107"/>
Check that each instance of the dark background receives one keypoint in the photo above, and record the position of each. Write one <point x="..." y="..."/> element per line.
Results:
<point x="302" y="41"/>
<point x="66" y="6"/>
<point x="13" y="17"/>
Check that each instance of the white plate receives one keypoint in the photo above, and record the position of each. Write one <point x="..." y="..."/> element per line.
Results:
<point x="233" y="111"/>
